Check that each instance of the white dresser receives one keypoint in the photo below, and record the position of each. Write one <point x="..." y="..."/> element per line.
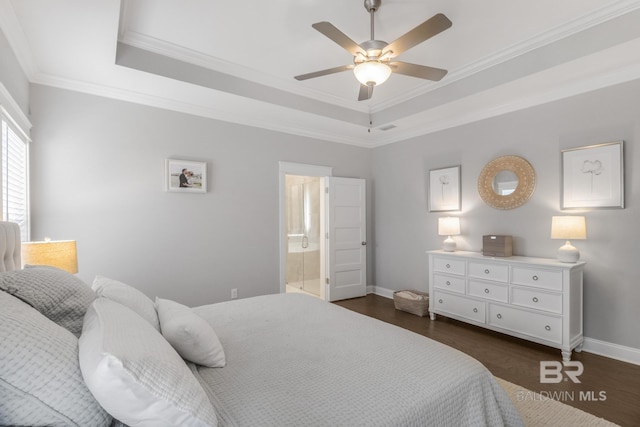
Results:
<point x="536" y="299"/>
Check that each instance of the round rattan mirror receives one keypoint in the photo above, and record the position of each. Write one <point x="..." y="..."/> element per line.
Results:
<point x="506" y="182"/>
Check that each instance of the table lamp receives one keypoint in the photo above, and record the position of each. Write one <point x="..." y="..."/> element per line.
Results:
<point x="568" y="228"/>
<point x="449" y="226"/>
<point x="61" y="254"/>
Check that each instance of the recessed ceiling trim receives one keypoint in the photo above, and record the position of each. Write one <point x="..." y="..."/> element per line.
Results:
<point x="281" y="119"/>
<point x="12" y="30"/>
<point x="371" y="140"/>
<point x="161" y="65"/>
<point x="286" y="126"/>
<point x="579" y="87"/>
<point x="545" y="38"/>
<point x="180" y="53"/>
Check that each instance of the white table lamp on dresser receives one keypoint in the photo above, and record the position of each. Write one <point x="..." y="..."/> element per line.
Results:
<point x="449" y="226"/>
<point x="568" y="228"/>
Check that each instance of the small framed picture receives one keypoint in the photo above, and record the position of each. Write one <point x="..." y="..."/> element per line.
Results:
<point x="184" y="176"/>
<point x="593" y="177"/>
<point x="444" y="189"/>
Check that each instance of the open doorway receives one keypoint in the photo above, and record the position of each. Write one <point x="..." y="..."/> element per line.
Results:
<point x="341" y="221"/>
<point x="302" y="228"/>
<point x="303" y="216"/>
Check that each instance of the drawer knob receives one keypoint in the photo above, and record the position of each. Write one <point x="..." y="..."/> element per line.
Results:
<point x="440" y="301"/>
<point x="448" y="266"/>
<point x="475" y="310"/>
<point x="448" y="283"/>
<point x="535" y="278"/>
<point x="486" y="290"/>
<point x="535" y="299"/>
<point x="499" y="316"/>
<point x="548" y="328"/>
<point x="486" y="271"/>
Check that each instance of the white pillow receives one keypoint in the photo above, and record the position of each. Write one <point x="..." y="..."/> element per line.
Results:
<point x="135" y="374"/>
<point x="128" y="296"/>
<point x="192" y="337"/>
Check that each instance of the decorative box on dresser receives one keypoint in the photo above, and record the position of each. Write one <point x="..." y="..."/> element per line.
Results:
<point x="536" y="299"/>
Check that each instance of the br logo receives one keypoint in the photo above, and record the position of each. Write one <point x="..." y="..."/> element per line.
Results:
<point x="554" y="372"/>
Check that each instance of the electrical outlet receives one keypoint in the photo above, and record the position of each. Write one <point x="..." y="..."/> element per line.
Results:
<point x="234" y="293"/>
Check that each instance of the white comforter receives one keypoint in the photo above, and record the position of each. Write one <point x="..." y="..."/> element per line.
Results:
<point x="293" y="360"/>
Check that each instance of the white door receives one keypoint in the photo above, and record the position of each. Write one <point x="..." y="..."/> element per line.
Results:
<point x="346" y="238"/>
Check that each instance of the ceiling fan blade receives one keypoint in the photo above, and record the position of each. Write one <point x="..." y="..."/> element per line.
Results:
<point x="429" y="28"/>
<point x="324" y="72"/>
<point x="366" y="92"/>
<point x="419" y="71"/>
<point x="339" y="37"/>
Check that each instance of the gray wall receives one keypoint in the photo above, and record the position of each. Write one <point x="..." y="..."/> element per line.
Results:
<point x="12" y="76"/>
<point x="97" y="169"/>
<point x="404" y="229"/>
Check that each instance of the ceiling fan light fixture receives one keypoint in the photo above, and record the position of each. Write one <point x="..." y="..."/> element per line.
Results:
<point x="372" y="73"/>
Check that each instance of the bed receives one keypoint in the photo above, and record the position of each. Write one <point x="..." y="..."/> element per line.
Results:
<point x="71" y="354"/>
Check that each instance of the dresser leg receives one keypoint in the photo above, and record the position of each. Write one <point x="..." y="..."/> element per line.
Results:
<point x="432" y="316"/>
<point x="566" y="355"/>
<point x="578" y="348"/>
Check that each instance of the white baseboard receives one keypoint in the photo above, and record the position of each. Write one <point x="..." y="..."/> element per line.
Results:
<point x="590" y="345"/>
<point x="614" y="351"/>
<point x="383" y="292"/>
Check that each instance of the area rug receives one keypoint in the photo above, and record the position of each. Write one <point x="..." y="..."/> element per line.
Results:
<point x="537" y="411"/>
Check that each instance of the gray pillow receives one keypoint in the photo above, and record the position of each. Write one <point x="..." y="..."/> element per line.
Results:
<point x="58" y="295"/>
<point x="40" y="378"/>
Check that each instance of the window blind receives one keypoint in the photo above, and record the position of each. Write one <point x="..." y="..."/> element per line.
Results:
<point x="15" y="193"/>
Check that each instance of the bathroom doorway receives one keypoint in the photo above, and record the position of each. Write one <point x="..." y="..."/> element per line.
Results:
<point x="303" y="218"/>
<point x="322" y="239"/>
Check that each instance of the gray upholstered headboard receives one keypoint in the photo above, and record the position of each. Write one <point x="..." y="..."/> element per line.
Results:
<point x="9" y="246"/>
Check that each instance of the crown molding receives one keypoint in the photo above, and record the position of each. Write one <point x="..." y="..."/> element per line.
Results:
<point x="190" y="56"/>
<point x="550" y="36"/>
<point x="12" y="30"/>
<point x="619" y="76"/>
<point x="376" y="138"/>
<point x="323" y="128"/>
<point x="286" y="125"/>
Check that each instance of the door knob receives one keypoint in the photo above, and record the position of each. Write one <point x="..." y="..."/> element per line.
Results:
<point x="364" y="243"/>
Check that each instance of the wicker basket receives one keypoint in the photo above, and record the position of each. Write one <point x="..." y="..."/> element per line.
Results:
<point x="419" y="307"/>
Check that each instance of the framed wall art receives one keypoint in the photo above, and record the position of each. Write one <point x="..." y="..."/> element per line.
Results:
<point x="593" y="176"/>
<point x="444" y="189"/>
<point x="185" y="176"/>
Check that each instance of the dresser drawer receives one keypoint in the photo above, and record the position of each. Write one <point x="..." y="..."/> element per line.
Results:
<point x="448" y="265"/>
<point x="488" y="290"/>
<point x="540" y="278"/>
<point x="460" y="306"/>
<point x="536" y="325"/>
<point x="450" y="283"/>
<point x="533" y="298"/>
<point x="489" y="271"/>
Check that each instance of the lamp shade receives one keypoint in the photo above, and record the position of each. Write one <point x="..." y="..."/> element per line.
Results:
<point x="449" y="226"/>
<point x="568" y="227"/>
<point x="60" y="254"/>
<point x="372" y="73"/>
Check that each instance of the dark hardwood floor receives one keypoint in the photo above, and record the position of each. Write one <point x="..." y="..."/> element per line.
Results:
<point x="609" y="388"/>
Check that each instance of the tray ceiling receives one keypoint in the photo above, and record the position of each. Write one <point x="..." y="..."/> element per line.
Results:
<point x="235" y="61"/>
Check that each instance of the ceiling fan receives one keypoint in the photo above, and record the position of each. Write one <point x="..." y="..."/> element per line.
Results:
<point x="373" y="59"/>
